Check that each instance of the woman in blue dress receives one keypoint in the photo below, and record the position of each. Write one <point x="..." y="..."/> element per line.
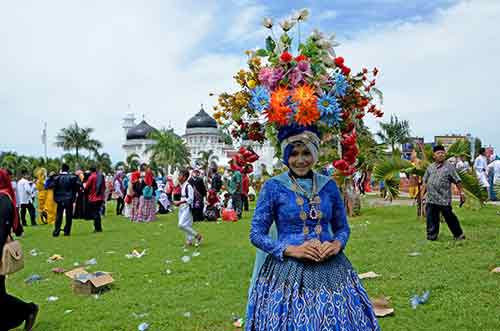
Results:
<point x="305" y="282"/>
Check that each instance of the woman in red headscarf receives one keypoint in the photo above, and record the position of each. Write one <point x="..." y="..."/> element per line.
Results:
<point x="13" y="311"/>
<point x="148" y="198"/>
<point x="134" y="191"/>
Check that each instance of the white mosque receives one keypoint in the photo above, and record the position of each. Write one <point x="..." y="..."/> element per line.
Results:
<point x="202" y="134"/>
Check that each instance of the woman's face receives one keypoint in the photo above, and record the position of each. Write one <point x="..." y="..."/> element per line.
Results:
<point x="300" y="160"/>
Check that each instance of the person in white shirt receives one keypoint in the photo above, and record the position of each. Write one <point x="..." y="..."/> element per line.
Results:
<point x="481" y="168"/>
<point x="25" y="199"/>
<point x="185" y="204"/>
<point x="495" y="168"/>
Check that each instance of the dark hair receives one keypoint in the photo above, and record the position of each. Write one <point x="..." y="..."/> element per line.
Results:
<point x="482" y="150"/>
<point x="438" y="148"/>
<point x="184" y="173"/>
<point x="93" y="168"/>
<point x="65" y="167"/>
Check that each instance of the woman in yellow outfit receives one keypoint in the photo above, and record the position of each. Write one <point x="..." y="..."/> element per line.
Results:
<point x="50" y="203"/>
<point x="47" y="207"/>
<point x="41" y="176"/>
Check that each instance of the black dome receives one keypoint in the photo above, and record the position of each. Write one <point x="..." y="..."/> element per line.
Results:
<point x="140" y="131"/>
<point x="201" y="120"/>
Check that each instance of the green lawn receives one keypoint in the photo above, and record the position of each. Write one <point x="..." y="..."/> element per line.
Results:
<point x="213" y="286"/>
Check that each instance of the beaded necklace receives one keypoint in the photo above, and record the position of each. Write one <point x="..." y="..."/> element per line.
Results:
<point x="314" y="202"/>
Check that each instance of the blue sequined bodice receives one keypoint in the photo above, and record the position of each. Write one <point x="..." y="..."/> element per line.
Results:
<point x="277" y="203"/>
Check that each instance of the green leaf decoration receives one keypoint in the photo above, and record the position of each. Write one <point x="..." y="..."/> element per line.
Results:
<point x="261" y="52"/>
<point x="270" y="44"/>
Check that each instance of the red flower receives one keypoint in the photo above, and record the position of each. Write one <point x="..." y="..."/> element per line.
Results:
<point x="339" y="61"/>
<point x="301" y="58"/>
<point x="373" y="82"/>
<point x="286" y="57"/>
<point x="363" y="103"/>
<point x="365" y="71"/>
<point x="375" y="72"/>
<point x="340" y="164"/>
<point x="346" y="71"/>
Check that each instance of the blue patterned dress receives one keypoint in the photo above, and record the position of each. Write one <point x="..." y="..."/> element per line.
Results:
<point x="288" y="294"/>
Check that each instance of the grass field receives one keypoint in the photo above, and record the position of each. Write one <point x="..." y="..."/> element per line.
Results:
<point x="204" y="293"/>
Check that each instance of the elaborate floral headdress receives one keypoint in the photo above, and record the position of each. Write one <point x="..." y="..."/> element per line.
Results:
<point x="311" y="88"/>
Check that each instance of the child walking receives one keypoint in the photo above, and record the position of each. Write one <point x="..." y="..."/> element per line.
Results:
<point x="185" y="214"/>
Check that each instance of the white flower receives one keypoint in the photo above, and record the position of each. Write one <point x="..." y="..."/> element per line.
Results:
<point x="317" y="35"/>
<point x="286" y="25"/>
<point x="301" y="15"/>
<point x="267" y="22"/>
<point x="332" y="40"/>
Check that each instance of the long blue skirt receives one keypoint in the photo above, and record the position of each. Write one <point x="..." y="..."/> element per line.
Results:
<point x="294" y="295"/>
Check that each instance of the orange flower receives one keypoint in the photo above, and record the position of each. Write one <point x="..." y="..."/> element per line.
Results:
<point x="278" y="111"/>
<point x="307" y="110"/>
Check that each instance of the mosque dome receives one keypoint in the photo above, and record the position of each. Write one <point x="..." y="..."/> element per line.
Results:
<point x="140" y="131"/>
<point x="201" y="120"/>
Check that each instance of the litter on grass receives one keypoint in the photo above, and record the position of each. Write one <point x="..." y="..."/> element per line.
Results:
<point x="168" y="271"/>
<point x="187" y="314"/>
<point x="69" y="311"/>
<point x="143" y="326"/>
<point x="195" y="254"/>
<point x="413" y="254"/>
<point x="185" y="259"/>
<point x="419" y="300"/>
<point x="54" y="258"/>
<point x="34" y="252"/>
<point x="496" y="270"/>
<point x="92" y="261"/>
<point x="33" y="278"/>
<point x="369" y="274"/>
<point x="382" y="306"/>
<point x="58" y="270"/>
<point x="52" y="299"/>
<point x="136" y="254"/>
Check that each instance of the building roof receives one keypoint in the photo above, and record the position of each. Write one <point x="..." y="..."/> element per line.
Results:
<point x="140" y="131"/>
<point x="201" y="120"/>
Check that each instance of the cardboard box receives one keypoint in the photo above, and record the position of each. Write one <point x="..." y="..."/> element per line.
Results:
<point x="87" y="283"/>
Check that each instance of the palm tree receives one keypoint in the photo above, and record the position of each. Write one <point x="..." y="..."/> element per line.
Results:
<point x="120" y="165"/>
<point x="388" y="171"/>
<point x="103" y="162"/>
<point x="169" y="149"/>
<point x="133" y="161"/>
<point x="394" y="132"/>
<point x="77" y="138"/>
<point x="206" y="157"/>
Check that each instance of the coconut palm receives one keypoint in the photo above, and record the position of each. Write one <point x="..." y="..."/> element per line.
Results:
<point x="206" y="157"/>
<point x="77" y="138"/>
<point x="388" y="171"/>
<point x="120" y="165"/>
<point x="133" y="161"/>
<point x="394" y="132"/>
<point x="169" y="149"/>
<point x="103" y="162"/>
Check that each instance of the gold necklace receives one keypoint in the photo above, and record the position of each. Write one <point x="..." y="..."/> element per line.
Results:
<point x="314" y="203"/>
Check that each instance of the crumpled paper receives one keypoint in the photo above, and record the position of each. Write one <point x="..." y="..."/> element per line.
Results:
<point x="136" y="254"/>
<point x="382" y="306"/>
<point x="369" y="274"/>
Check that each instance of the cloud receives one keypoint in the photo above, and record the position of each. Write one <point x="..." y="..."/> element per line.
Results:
<point x="86" y="61"/>
<point x="328" y="15"/>
<point x="439" y="73"/>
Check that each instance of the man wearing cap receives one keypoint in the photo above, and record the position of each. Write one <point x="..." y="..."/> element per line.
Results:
<point x="438" y="179"/>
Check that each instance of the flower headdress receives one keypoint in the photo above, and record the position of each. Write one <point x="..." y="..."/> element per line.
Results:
<point x="311" y="88"/>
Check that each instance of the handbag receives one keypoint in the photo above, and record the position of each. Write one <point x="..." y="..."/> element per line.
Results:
<point x="12" y="257"/>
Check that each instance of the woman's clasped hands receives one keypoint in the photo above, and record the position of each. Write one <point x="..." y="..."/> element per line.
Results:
<point x="314" y="250"/>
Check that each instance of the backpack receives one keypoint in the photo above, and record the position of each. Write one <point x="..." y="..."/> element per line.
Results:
<point x="197" y="200"/>
<point x="147" y="192"/>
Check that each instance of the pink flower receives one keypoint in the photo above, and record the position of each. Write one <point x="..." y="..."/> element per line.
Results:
<point x="297" y="75"/>
<point x="270" y="77"/>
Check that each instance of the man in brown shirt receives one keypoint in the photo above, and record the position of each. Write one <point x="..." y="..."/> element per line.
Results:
<point x="438" y="179"/>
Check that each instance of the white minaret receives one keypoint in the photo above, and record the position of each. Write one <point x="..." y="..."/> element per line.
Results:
<point x="128" y="122"/>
